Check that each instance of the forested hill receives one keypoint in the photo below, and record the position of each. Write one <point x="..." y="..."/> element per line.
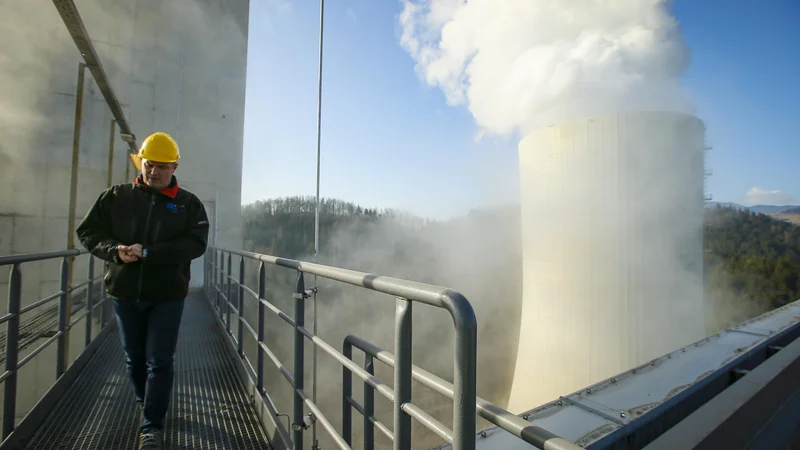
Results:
<point x="752" y="261"/>
<point x="285" y="226"/>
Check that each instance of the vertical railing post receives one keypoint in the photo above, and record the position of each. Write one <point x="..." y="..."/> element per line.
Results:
<point x="217" y="281"/>
<point x="402" y="374"/>
<point x="12" y="350"/>
<point x="228" y="296"/>
<point x="240" y="298"/>
<point x="369" y="405"/>
<point x="89" y="302"/>
<point x="347" y="394"/>
<point x="104" y="310"/>
<point x="299" y="355"/>
<point x="262" y="287"/>
<point x="63" y="316"/>
<point x="464" y="374"/>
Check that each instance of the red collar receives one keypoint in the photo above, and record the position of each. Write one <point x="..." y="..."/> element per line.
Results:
<point x="171" y="191"/>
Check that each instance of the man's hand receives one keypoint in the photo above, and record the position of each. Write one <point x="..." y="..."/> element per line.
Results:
<point x="127" y="253"/>
<point x="136" y="250"/>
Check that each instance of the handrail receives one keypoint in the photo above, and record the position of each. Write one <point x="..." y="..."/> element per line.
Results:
<point x="33" y="257"/>
<point x="15" y="310"/>
<point x="219" y="280"/>
<point x="519" y="427"/>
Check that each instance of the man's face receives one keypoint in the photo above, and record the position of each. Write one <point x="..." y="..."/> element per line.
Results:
<point x="157" y="175"/>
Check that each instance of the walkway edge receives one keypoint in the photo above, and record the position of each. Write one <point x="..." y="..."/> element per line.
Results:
<point x="27" y="428"/>
<point x="266" y="414"/>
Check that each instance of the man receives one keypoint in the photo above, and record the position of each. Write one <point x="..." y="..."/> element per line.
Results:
<point x="149" y="232"/>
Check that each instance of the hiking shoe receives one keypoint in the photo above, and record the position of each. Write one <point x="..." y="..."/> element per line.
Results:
<point x="151" y="439"/>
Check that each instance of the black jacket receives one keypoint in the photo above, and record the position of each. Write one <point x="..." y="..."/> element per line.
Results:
<point x="172" y="227"/>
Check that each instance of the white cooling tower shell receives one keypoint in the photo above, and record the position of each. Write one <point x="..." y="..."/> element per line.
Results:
<point x="612" y="215"/>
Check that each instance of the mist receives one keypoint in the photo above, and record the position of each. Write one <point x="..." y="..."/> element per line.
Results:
<point x="478" y="255"/>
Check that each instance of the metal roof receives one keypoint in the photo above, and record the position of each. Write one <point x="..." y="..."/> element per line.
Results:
<point x="633" y="405"/>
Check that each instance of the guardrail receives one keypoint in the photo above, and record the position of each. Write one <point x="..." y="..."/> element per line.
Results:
<point x="219" y="287"/>
<point x="65" y="321"/>
<point x="222" y="287"/>
<point x="519" y="427"/>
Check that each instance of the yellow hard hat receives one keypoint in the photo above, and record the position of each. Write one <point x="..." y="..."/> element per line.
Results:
<point x="159" y="147"/>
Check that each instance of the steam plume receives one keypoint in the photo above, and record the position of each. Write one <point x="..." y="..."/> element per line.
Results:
<point x="520" y="64"/>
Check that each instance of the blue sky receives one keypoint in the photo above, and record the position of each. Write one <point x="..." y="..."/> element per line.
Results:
<point x="389" y="140"/>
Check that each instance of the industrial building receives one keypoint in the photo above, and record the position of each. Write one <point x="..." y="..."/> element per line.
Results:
<point x="177" y="66"/>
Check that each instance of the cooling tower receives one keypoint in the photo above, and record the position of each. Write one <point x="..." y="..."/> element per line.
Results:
<point x="612" y="213"/>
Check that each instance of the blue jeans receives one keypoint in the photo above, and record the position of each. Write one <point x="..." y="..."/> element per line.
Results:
<point x="149" y="335"/>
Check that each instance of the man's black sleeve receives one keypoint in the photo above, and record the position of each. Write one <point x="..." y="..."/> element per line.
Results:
<point x="186" y="248"/>
<point x="94" y="232"/>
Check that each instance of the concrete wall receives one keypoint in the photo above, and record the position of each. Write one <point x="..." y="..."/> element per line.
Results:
<point x="177" y="66"/>
<point x="612" y="213"/>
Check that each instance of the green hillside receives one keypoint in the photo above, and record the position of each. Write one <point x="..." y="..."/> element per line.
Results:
<point x="752" y="264"/>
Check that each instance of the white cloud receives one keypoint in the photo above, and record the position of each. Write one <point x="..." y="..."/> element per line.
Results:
<point x="760" y="196"/>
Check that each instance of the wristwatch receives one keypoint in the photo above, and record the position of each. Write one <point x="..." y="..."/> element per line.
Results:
<point x="144" y="253"/>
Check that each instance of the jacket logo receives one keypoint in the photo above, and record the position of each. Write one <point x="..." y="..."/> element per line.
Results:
<point x="172" y="207"/>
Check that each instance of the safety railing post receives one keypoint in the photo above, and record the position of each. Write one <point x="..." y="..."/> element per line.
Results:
<point x="347" y="393"/>
<point x="240" y="298"/>
<point x="63" y="318"/>
<point x="217" y="281"/>
<point x="89" y="303"/>
<point x="369" y="406"/>
<point x="228" y="296"/>
<point x="104" y="310"/>
<point x="464" y="374"/>
<point x="262" y="287"/>
<point x="299" y="355"/>
<point x="402" y="374"/>
<point x="12" y="350"/>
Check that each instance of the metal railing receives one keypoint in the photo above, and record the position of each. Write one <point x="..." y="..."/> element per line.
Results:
<point x="220" y="284"/>
<point x="515" y="425"/>
<point x="222" y="287"/>
<point x="65" y="321"/>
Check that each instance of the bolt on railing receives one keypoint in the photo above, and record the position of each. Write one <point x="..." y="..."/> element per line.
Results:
<point x="15" y="310"/>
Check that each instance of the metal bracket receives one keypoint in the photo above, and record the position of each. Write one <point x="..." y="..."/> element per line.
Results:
<point x="307" y="422"/>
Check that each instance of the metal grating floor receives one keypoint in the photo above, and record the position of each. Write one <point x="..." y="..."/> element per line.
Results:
<point x="210" y="408"/>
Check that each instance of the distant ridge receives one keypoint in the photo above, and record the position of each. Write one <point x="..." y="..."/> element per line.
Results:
<point x="763" y="209"/>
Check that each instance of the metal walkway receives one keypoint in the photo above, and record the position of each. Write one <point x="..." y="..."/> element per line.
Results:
<point x="210" y="408"/>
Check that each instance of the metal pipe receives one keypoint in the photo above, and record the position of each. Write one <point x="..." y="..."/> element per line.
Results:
<point x="369" y="406"/>
<point x="105" y="309"/>
<point x="89" y="304"/>
<point x="299" y="343"/>
<point x="402" y="375"/>
<point x="228" y="296"/>
<point x="33" y="257"/>
<point x="12" y="350"/>
<point x="240" y="329"/>
<point x="72" y="19"/>
<point x="347" y="395"/>
<point x="111" y="154"/>
<point x="63" y="315"/>
<point x="262" y="285"/>
<point x="316" y="210"/>
<point x="73" y="188"/>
